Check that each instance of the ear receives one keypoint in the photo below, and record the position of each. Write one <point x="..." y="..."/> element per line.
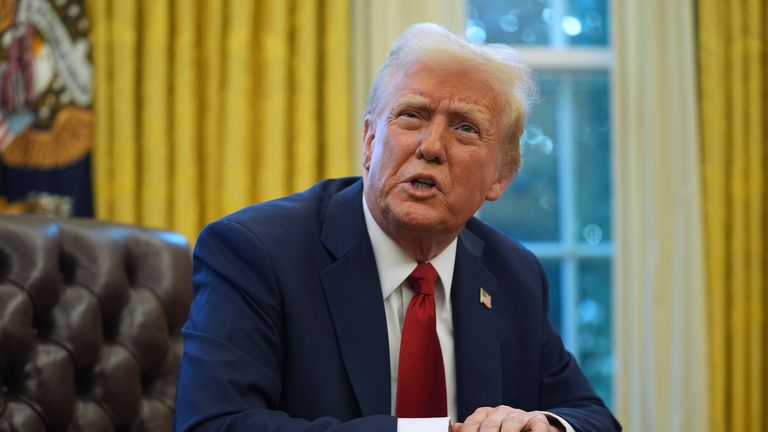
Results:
<point x="498" y="187"/>
<point x="369" y="133"/>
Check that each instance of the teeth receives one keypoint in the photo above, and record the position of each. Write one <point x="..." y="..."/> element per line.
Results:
<point x="421" y="184"/>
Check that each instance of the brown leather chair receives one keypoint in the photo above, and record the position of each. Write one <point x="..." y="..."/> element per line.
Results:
<point x="90" y="318"/>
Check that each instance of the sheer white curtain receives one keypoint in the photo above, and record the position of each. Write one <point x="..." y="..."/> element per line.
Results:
<point x="659" y="276"/>
<point x="375" y="25"/>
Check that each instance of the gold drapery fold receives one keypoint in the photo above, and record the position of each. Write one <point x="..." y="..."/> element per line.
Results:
<point x="733" y="38"/>
<point x="205" y="106"/>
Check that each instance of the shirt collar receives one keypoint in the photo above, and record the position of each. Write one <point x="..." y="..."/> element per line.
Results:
<point x="394" y="265"/>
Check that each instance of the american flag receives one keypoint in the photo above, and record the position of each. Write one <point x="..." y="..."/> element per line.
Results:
<point x="485" y="298"/>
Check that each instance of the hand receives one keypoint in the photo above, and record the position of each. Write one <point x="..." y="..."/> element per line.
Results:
<point x="505" y="419"/>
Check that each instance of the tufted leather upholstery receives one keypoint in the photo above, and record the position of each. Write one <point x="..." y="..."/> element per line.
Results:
<point x="90" y="318"/>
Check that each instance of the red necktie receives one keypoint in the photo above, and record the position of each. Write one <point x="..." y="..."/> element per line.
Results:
<point x="420" y="375"/>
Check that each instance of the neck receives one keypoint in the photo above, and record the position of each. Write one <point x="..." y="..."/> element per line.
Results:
<point x="420" y="249"/>
<point x="419" y="245"/>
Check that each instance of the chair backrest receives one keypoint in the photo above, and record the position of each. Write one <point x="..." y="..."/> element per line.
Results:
<point x="90" y="319"/>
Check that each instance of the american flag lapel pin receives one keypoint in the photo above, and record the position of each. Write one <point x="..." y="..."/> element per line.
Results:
<point x="485" y="298"/>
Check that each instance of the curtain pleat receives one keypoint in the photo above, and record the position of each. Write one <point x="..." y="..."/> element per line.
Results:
<point x="186" y="185"/>
<point x="205" y="106"/>
<point x="236" y="146"/>
<point x="98" y="15"/>
<point x="305" y="83"/>
<point x="274" y="100"/>
<point x="153" y="108"/>
<point x="123" y="83"/>
<point x="211" y="24"/>
<point x="335" y="88"/>
<point x="733" y="36"/>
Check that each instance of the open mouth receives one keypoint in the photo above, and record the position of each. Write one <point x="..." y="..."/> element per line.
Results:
<point x="422" y="183"/>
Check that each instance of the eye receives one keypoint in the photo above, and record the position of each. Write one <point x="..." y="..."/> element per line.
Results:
<point x="468" y="128"/>
<point x="409" y="120"/>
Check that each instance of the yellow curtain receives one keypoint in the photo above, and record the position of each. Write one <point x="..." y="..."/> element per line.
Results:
<point x="204" y="106"/>
<point x="733" y="36"/>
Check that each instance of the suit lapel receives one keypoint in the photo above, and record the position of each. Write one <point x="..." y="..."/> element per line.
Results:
<point x="475" y="330"/>
<point x="354" y="298"/>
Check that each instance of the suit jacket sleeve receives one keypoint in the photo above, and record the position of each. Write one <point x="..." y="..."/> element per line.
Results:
<point x="232" y="366"/>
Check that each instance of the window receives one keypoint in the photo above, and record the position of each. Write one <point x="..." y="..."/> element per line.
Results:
<point x="560" y="204"/>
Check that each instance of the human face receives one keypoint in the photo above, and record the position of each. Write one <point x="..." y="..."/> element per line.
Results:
<point x="431" y="153"/>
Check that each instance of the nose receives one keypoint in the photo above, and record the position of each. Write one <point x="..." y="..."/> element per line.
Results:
<point x="433" y="142"/>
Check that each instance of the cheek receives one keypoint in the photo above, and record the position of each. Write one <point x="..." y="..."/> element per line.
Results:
<point x="476" y="173"/>
<point x="385" y="153"/>
<point x="472" y="160"/>
<point x="377" y="155"/>
<point x="379" y="162"/>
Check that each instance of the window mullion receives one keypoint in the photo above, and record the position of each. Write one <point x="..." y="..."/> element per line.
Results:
<point x="566" y="58"/>
<point x="557" y="37"/>
<point x="566" y="180"/>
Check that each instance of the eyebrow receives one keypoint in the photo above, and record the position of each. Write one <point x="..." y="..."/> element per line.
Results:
<point x="463" y="109"/>
<point x="411" y="101"/>
<point x="471" y="111"/>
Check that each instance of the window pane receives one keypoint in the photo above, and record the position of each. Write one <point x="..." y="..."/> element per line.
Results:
<point x="539" y="22"/>
<point x="586" y="22"/>
<point x="573" y="110"/>
<point x="594" y="328"/>
<point x="528" y="210"/>
<point x="592" y="135"/>
<point x="518" y="22"/>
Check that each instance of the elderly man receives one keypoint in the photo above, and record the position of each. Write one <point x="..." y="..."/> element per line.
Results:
<point x="381" y="304"/>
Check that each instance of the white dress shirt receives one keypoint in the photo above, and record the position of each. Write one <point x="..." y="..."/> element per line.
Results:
<point x="394" y="267"/>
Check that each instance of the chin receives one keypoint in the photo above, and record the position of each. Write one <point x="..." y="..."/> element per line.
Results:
<point x="420" y="220"/>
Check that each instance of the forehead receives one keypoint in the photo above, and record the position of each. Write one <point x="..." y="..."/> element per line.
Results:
<point x="460" y="87"/>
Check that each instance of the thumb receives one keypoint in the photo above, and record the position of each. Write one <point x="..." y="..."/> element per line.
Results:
<point x="457" y="427"/>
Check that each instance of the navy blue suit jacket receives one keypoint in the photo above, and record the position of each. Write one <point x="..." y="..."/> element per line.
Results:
<point x="287" y="328"/>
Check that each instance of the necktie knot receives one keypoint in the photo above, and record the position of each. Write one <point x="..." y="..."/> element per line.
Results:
<point x="422" y="279"/>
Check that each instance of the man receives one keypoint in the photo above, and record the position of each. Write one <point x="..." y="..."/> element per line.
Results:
<point x="381" y="304"/>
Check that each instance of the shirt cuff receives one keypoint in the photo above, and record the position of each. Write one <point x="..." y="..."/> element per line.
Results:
<point x="432" y="424"/>
<point x="557" y="418"/>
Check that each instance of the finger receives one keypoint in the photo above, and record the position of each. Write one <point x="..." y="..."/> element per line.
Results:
<point x="537" y="423"/>
<point x="493" y="422"/>
<point x="516" y="421"/>
<point x="478" y="416"/>
<point x="457" y="427"/>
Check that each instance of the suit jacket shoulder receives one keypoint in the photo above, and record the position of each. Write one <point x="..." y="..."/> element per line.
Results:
<point x="298" y="216"/>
